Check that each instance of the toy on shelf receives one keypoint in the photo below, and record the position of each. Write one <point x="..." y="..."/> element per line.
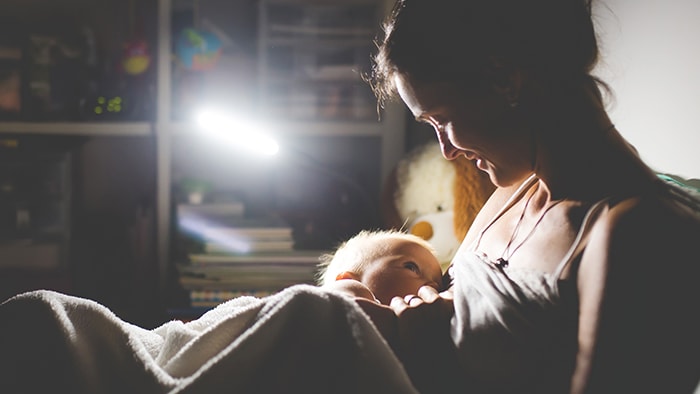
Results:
<point x="10" y="82"/>
<point x="136" y="57"/>
<point x="197" y="49"/>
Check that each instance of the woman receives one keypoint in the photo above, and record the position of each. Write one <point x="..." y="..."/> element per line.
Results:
<point x="579" y="273"/>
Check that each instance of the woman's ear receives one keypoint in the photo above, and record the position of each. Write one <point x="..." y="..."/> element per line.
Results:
<point x="347" y="275"/>
<point x="506" y="80"/>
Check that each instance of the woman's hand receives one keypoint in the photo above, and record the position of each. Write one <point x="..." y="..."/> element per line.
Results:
<point x="383" y="318"/>
<point x="423" y="315"/>
<point x="426" y="347"/>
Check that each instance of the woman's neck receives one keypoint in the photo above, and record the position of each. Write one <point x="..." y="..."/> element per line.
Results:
<point x="581" y="156"/>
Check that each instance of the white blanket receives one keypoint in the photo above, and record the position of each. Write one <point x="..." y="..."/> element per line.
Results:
<point x="301" y="340"/>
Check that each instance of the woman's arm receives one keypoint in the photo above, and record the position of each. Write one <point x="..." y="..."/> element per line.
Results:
<point x="638" y="304"/>
<point x="592" y="282"/>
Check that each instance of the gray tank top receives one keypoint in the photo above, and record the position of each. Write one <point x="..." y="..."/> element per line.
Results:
<point x="515" y="329"/>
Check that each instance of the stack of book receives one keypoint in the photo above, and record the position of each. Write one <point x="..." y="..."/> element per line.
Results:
<point x="244" y="235"/>
<point x="240" y="255"/>
<point x="213" y="278"/>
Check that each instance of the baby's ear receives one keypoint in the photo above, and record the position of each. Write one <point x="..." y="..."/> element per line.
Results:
<point x="347" y="275"/>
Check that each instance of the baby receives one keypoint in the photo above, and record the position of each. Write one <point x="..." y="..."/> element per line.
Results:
<point x="382" y="264"/>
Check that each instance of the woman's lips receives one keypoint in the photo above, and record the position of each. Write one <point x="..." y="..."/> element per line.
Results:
<point x="479" y="161"/>
<point x="481" y="164"/>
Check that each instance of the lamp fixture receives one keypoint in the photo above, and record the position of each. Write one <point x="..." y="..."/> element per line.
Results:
<point x="237" y="132"/>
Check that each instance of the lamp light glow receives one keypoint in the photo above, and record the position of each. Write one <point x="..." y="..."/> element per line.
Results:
<point x="210" y="231"/>
<point x="237" y="132"/>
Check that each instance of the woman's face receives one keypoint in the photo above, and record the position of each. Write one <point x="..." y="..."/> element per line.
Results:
<point x="484" y="129"/>
<point x="406" y="268"/>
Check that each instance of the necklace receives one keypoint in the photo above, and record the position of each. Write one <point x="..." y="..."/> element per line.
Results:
<point x="503" y="261"/>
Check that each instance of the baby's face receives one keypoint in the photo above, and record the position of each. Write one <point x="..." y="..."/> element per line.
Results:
<point x="403" y="271"/>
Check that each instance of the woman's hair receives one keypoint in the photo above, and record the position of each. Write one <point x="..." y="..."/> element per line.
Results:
<point x="455" y="41"/>
<point x="357" y="252"/>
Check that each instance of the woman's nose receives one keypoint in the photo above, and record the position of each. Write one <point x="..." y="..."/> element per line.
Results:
<point x="449" y="151"/>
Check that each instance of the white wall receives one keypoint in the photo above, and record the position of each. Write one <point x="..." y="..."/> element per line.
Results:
<point x="651" y="59"/>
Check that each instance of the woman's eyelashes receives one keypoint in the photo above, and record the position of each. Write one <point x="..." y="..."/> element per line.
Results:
<point x="439" y="124"/>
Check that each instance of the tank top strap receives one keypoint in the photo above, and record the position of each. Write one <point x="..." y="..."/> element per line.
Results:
<point x="583" y="232"/>
<point x="519" y="193"/>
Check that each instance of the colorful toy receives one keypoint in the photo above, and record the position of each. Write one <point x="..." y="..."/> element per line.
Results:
<point x="197" y="49"/>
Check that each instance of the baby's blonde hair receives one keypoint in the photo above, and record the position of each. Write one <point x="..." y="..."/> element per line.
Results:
<point x="357" y="252"/>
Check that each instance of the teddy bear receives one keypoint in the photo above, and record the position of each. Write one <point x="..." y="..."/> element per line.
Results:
<point x="434" y="198"/>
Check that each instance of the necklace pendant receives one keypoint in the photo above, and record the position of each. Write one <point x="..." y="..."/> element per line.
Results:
<point x="501" y="262"/>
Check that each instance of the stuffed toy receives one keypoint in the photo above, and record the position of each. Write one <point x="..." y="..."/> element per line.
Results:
<point x="434" y="198"/>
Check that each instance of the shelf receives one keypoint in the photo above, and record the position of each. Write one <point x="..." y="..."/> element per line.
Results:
<point x="78" y="128"/>
<point x="305" y="42"/>
<point x="323" y="2"/>
<point x="303" y="128"/>
<point x="291" y="29"/>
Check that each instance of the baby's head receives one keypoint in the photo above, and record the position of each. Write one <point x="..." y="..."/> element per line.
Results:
<point x="388" y="262"/>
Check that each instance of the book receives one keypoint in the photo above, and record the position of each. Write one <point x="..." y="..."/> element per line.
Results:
<point x="253" y="246"/>
<point x="294" y="256"/>
<point x="219" y="271"/>
<point x="248" y="281"/>
<point x="237" y="234"/>
<point x="212" y="210"/>
<point x="218" y="233"/>
<point x="248" y="228"/>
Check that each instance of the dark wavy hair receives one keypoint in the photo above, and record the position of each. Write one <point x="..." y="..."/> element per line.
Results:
<point x="453" y="41"/>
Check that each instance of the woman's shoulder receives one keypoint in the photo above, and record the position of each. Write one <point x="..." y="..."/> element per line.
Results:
<point x="662" y="203"/>
<point x="649" y="224"/>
